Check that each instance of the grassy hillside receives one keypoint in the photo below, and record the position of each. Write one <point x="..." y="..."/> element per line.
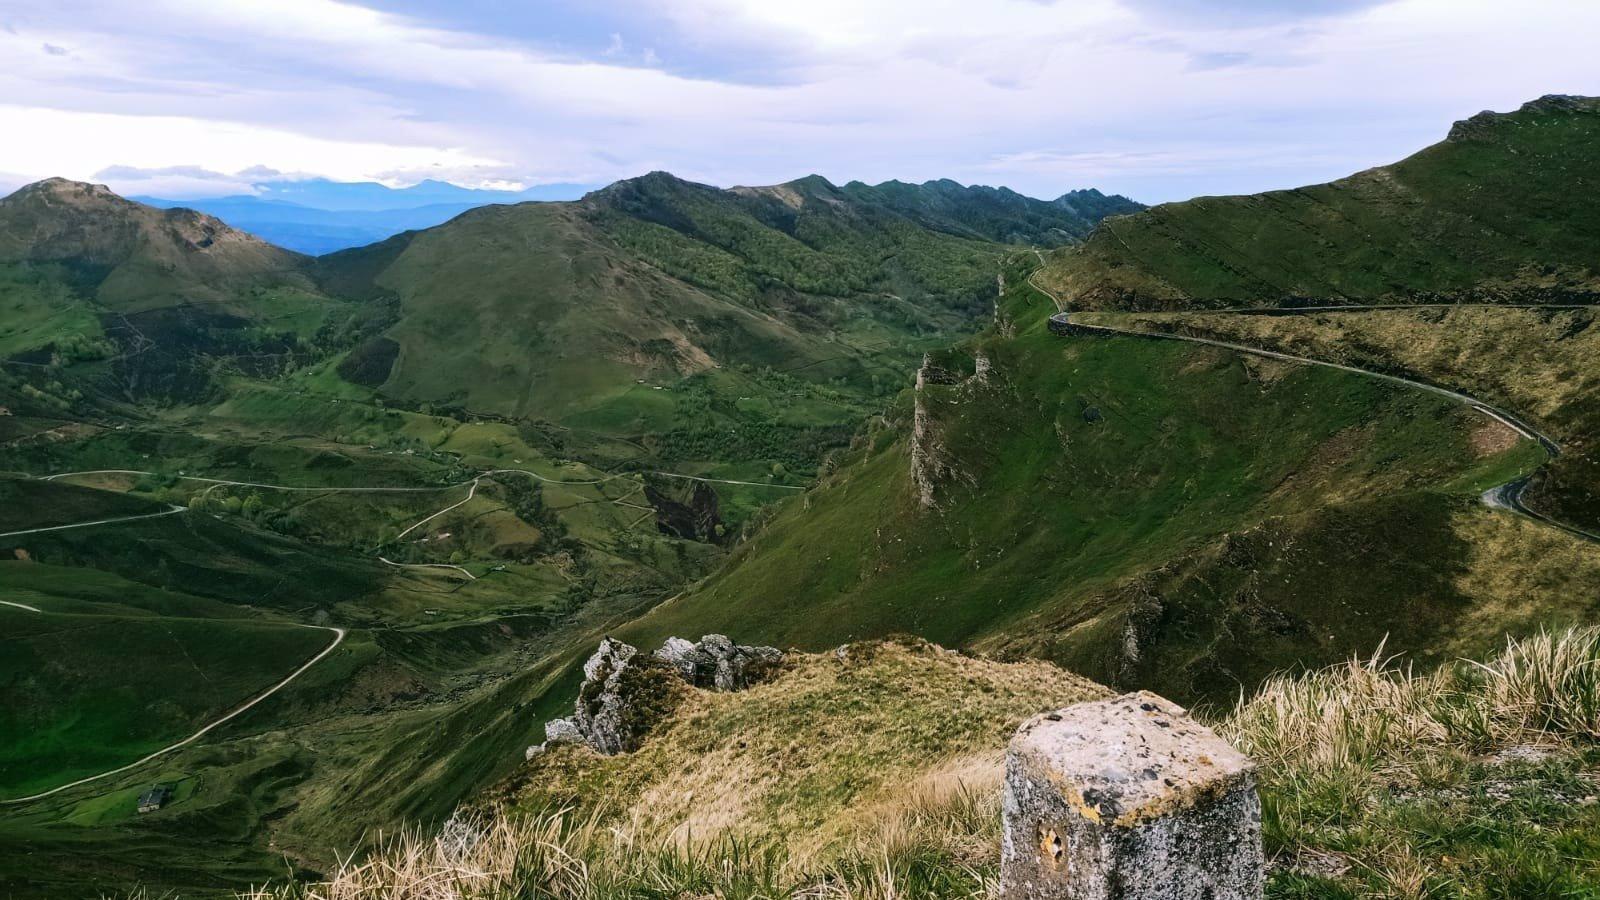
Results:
<point x="463" y="629"/>
<point x="130" y="257"/>
<point x="656" y="279"/>
<point x="1147" y="513"/>
<point x="1500" y="210"/>
<point x="88" y="692"/>
<point x="1536" y="362"/>
<point x="1475" y="781"/>
<point x="28" y="504"/>
<point x="900" y="716"/>
<point x="435" y="692"/>
<point x="109" y="302"/>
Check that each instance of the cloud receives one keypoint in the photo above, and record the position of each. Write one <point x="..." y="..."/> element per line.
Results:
<point x="1247" y="12"/>
<point x="84" y="144"/>
<point x="1156" y="98"/>
<point x="1218" y="59"/>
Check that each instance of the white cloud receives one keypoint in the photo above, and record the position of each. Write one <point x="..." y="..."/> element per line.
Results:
<point x="81" y="144"/>
<point x="1012" y="91"/>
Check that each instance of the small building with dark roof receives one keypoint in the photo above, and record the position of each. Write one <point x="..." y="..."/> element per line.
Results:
<point x="155" y="798"/>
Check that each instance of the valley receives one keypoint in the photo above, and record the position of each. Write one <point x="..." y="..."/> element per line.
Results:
<point x="321" y="543"/>
<point x="221" y="481"/>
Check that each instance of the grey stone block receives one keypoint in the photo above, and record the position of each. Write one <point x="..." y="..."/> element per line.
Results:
<point x="1128" y="799"/>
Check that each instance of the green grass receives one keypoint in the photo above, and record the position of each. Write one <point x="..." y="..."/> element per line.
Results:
<point x="37" y="310"/>
<point x="877" y="773"/>
<point x="1061" y="537"/>
<point x="86" y="692"/>
<point x="1537" y="363"/>
<point x="39" y="504"/>
<point x="1467" y="781"/>
<point x="1498" y="211"/>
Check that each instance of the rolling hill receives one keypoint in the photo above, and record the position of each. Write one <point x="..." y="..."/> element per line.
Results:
<point x="321" y="437"/>
<point x="1490" y="214"/>
<point x="130" y="257"/>
<point x="554" y="309"/>
<point x="1190" y="519"/>
<point x="119" y="302"/>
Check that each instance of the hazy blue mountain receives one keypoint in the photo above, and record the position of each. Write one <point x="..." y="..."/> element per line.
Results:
<point x="318" y="216"/>
<point x="321" y="193"/>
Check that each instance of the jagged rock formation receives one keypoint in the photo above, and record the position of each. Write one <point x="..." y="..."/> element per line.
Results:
<point x="718" y="663"/>
<point x="930" y="462"/>
<point x="927" y="454"/>
<point x="624" y="693"/>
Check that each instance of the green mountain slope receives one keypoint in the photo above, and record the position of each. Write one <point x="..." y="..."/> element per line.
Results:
<point x="1500" y="210"/>
<point x="558" y="309"/>
<point x="106" y="301"/>
<point x="130" y="257"/>
<point x="1146" y="513"/>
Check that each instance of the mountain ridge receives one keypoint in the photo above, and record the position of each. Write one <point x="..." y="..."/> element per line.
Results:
<point x="1484" y="215"/>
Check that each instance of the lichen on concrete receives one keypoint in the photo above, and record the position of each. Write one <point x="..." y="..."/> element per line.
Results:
<point x="1128" y="798"/>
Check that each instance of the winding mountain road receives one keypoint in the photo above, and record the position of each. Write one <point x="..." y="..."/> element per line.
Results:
<point x="1506" y="496"/>
<point x="167" y="512"/>
<point x="339" y="633"/>
<point x="338" y="638"/>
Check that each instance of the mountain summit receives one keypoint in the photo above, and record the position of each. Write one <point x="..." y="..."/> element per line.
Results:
<point x="1492" y="213"/>
<point x="130" y="255"/>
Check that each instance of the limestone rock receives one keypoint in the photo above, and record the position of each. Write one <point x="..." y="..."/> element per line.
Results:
<point x="716" y="662"/>
<point x="679" y="654"/>
<point x="1128" y="798"/>
<point x="599" y="711"/>
<point x="562" y="731"/>
<point x="623" y="693"/>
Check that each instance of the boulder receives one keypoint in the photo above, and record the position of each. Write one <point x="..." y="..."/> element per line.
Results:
<point x="681" y="655"/>
<point x="562" y="731"/>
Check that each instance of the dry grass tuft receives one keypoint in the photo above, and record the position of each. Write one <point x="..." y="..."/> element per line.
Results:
<point x="1365" y="713"/>
<point x="1369" y="773"/>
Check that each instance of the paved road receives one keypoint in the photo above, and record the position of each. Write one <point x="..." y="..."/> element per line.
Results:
<point x="1507" y="496"/>
<point x="168" y="512"/>
<point x="338" y="637"/>
<point x="385" y="560"/>
<point x="339" y="633"/>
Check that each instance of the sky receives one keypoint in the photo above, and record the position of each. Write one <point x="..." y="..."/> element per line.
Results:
<point x="1156" y="99"/>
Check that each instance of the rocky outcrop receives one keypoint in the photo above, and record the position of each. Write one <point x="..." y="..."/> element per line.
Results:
<point x="625" y="692"/>
<point x="718" y="663"/>
<point x="929" y="465"/>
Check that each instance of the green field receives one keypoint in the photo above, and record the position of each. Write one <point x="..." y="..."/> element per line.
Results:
<point x="39" y="504"/>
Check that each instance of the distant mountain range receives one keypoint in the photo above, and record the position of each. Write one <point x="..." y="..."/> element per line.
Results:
<point x="318" y="216"/>
<point x="549" y="308"/>
<point x="518" y="308"/>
